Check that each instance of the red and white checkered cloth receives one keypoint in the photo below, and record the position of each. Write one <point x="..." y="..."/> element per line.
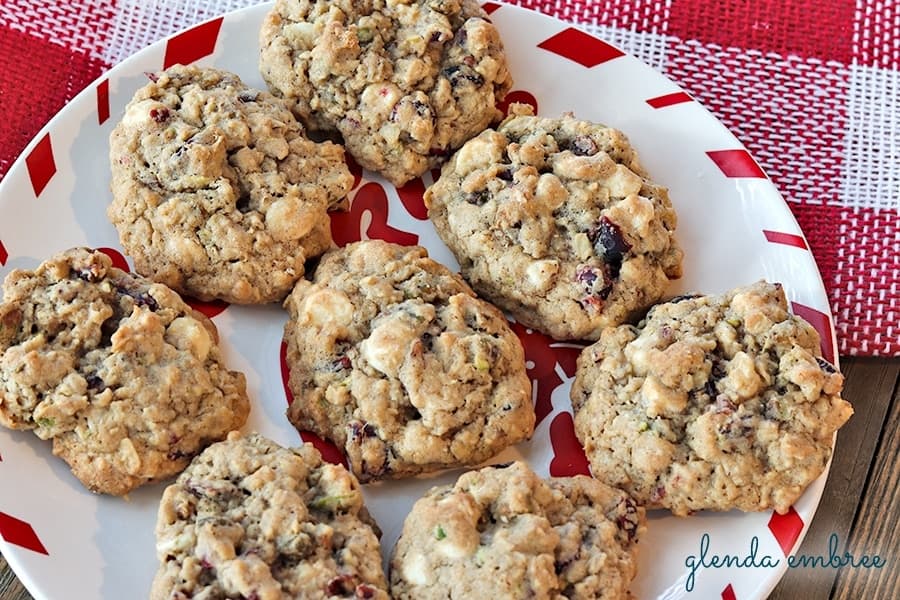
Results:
<point x="811" y="87"/>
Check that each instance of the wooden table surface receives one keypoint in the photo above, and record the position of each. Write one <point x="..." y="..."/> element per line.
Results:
<point x="861" y="505"/>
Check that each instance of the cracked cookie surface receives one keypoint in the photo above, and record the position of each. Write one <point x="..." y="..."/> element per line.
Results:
<point x="404" y="83"/>
<point x="394" y="359"/>
<point x="711" y="402"/>
<point x="124" y="377"/>
<point x="251" y="519"/>
<point x="505" y="533"/>
<point x="554" y="221"/>
<point x="217" y="192"/>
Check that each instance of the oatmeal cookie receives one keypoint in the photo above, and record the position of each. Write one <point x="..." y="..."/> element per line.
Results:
<point x="217" y="192"/>
<point x="504" y="533"/>
<point x="123" y="376"/>
<point x="711" y="402"/>
<point x="555" y="221"/>
<point x="250" y="519"/>
<point x="404" y="82"/>
<point x="394" y="359"/>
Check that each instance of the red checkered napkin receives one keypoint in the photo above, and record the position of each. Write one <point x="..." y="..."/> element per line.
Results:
<point x="810" y="87"/>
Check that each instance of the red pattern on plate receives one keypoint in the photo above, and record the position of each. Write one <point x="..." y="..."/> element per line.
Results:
<point x="20" y="533"/>
<point x="193" y="44"/>
<point x="102" y="101"/>
<point x="728" y="593"/>
<point x="329" y="451"/>
<point x="4" y="255"/>
<point x="788" y="239"/>
<point x="369" y="199"/>
<point x="786" y="528"/>
<point x="520" y="96"/>
<point x="490" y="7"/>
<point x="669" y="99"/>
<point x="736" y="163"/>
<point x="412" y="196"/>
<point x="355" y="169"/>
<point x="543" y="353"/>
<point x="210" y="308"/>
<point x="568" y="455"/>
<point x="40" y="163"/>
<point x="580" y="47"/>
<point x="118" y="260"/>
<point x="822" y="324"/>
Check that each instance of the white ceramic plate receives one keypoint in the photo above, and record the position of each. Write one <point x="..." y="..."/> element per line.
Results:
<point x="65" y="543"/>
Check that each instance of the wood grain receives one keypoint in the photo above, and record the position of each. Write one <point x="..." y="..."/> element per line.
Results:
<point x="876" y="528"/>
<point x="10" y="587"/>
<point x="869" y="384"/>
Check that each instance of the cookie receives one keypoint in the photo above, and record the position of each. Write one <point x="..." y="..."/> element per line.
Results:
<point x="711" y="402"/>
<point x="250" y="519"/>
<point x="123" y="376"/>
<point x="394" y="359"/>
<point x="554" y="221"/>
<point x="504" y="533"/>
<point x="404" y="83"/>
<point x="217" y="192"/>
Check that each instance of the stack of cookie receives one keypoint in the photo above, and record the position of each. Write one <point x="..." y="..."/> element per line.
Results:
<point x="219" y="193"/>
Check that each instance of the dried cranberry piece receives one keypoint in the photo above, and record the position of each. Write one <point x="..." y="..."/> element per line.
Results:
<point x="461" y="75"/>
<point x="140" y="298"/>
<point x="587" y="276"/>
<point x="160" y="115"/>
<point x="598" y="283"/>
<point x="478" y="198"/>
<point x="145" y="299"/>
<point x="365" y="591"/>
<point x="360" y="431"/>
<point x="505" y="174"/>
<point x="341" y="586"/>
<point x="628" y="520"/>
<point x="609" y="241"/>
<point x="342" y="363"/>
<point x="584" y="145"/>
<point x="439" y="151"/>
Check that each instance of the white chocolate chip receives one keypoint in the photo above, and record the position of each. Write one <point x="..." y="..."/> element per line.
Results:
<point x="188" y="334"/>
<point x="291" y="218"/>
<point x="541" y="274"/>
<point x="326" y="307"/>
<point x="415" y="569"/>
